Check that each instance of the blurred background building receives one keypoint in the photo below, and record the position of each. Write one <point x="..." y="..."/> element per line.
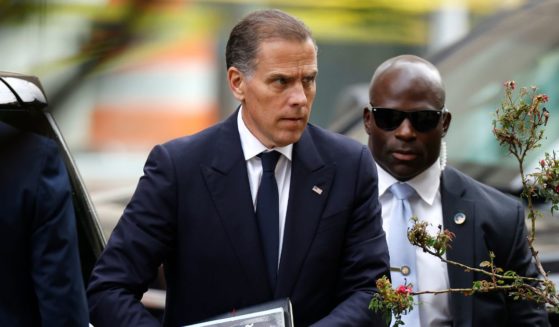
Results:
<point x="124" y="75"/>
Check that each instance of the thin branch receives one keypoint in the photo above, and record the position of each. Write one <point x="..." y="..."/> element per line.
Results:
<point x="482" y="271"/>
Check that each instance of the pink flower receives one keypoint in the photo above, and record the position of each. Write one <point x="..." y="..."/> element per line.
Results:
<point x="542" y="98"/>
<point x="542" y="163"/>
<point x="510" y="85"/>
<point x="403" y="290"/>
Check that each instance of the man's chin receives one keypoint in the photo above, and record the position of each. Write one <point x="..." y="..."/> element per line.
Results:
<point x="403" y="172"/>
<point x="288" y="139"/>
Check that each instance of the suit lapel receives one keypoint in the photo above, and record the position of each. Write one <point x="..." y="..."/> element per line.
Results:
<point x="311" y="180"/>
<point x="227" y="181"/>
<point x="463" y="247"/>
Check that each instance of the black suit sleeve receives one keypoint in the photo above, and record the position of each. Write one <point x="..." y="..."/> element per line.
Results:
<point x="365" y="256"/>
<point x="136" y="248"/>
<point x="55" y="261"/>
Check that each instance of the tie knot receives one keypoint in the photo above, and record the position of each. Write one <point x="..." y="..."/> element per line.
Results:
<point x="269" y="160"/>
<point x="402" y="191"/>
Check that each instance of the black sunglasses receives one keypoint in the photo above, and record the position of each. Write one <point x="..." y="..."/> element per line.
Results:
<point x="421" y="120"/>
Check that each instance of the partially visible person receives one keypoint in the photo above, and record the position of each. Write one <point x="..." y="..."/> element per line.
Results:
<point x="406" y="121"/>
<point x="258" y="207"/>
<point x="40" y="280"/>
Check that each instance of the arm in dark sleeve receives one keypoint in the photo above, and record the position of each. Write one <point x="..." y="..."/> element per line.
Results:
<point x="523" y="313"/>
<point x="365" y="256"/>
<point x="55" y="262"/>
<point x="136" y="248"/>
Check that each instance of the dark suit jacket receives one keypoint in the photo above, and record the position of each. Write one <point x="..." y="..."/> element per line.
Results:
<point x="40" y="278"/>
<point x="494" y="222"/>
<point x="193" y="211"/>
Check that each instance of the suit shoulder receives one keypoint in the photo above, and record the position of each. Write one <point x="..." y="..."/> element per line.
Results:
<point x="25" y="145"/>
<point x="328" y="141"/>
<point x="203" y="146"/>
<point x="477" y="190"/>
<point x="192" y="148"/>
<point x="201" y="138"/>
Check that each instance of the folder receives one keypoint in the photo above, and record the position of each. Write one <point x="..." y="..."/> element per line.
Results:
<point x="277" y="313"/>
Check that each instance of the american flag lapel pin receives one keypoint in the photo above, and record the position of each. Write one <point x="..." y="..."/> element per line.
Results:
<point x="317" y="190"/>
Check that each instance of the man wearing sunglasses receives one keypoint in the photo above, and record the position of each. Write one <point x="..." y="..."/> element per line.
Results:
<point x="406" y="120"/>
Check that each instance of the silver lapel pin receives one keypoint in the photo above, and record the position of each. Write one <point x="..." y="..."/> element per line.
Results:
<point x="459" y="218"/>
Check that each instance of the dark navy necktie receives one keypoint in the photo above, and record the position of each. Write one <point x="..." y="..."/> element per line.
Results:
<point x="267" y="213"/>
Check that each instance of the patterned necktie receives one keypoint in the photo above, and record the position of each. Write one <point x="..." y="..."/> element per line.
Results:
<point x="267" y="213"/>
<point x="402" y="253"/>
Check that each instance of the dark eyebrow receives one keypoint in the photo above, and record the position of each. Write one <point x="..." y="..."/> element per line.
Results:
<point x="275" y="76"/>
<point x="311" y="75"/>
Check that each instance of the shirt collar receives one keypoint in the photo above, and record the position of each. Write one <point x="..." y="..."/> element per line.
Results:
<point x="252" y="146"/>
<point x="425" y="184"/>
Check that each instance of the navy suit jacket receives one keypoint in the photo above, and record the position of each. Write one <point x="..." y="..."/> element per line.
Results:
<point x="494" y="222"/>
<point x="40" y="279"/>
<point x="193" y="211"/>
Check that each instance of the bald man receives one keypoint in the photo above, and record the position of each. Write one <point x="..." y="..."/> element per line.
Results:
<point x="406" y="120"/>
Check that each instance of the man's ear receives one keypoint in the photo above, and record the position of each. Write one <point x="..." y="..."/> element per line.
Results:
<point x="367" y="117"/>
<point x="236" y="81"/>
<point x="446" y="122"/>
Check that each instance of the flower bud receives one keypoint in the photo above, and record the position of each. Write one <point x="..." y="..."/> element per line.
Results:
<point x="510" y="85"/>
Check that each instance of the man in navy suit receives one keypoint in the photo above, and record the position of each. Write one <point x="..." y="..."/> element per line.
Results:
<point x="41" y="281"/>
<point x="406" y="121"/>
<point x="196" y="209"/>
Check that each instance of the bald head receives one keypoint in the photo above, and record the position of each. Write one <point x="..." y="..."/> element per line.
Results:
<point x="407" y="121"/>
<point x="408" y="74"/>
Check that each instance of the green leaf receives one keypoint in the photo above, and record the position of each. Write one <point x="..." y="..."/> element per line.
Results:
<point x="476" y="285"/>
<point x="510" y="273"/>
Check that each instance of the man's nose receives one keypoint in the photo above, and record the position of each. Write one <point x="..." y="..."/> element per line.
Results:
<point x="405" y="131"/>
<point x="298" y="96"/>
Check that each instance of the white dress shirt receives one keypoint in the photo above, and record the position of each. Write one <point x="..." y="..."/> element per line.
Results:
<point x="432" y="273"/>
<point x="251" y="148"/>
